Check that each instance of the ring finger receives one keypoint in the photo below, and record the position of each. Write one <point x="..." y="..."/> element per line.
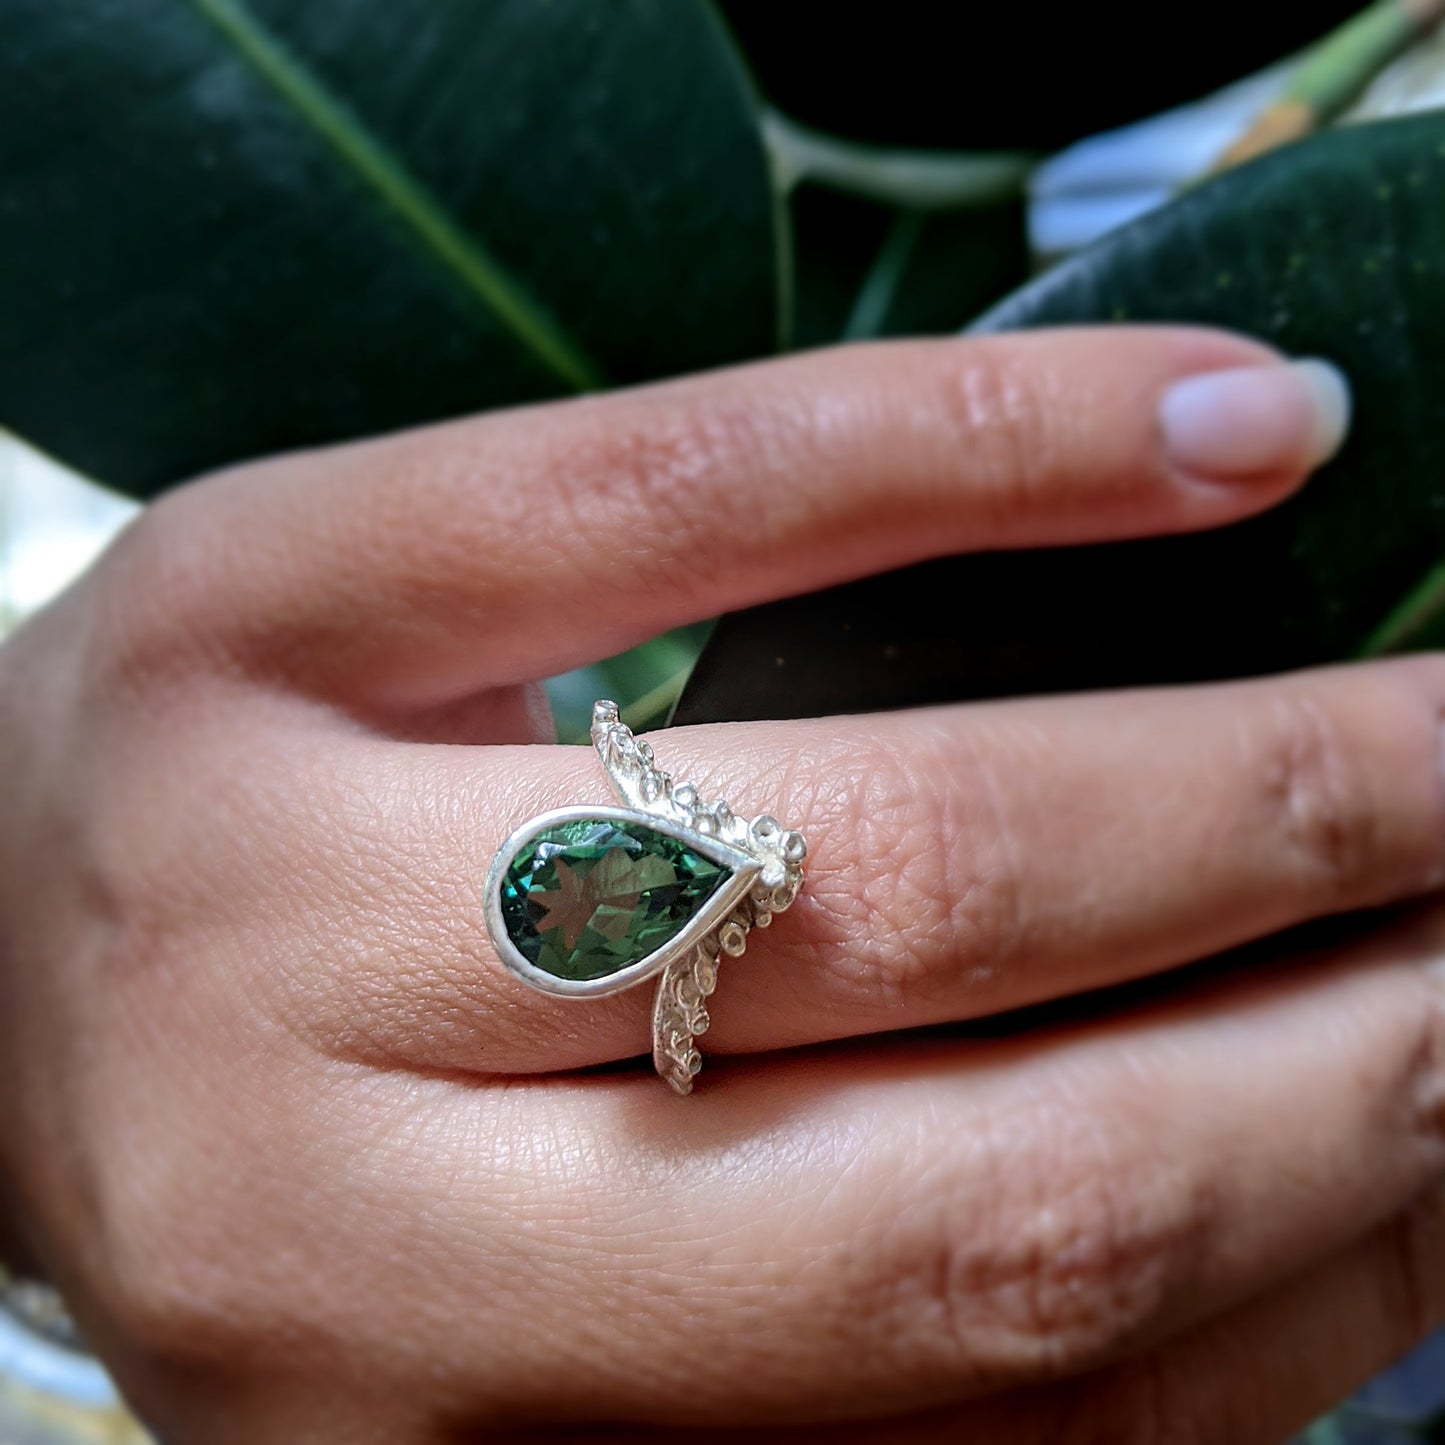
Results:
<point x="963" y="860"/>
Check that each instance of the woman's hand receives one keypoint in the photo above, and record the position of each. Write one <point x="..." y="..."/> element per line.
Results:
<point x="314" y="1167"/>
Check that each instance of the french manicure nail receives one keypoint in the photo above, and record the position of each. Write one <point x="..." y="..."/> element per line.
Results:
<point x="1256" y="421"/>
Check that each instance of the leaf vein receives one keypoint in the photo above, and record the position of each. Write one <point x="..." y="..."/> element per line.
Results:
<point x="421" y="212"/>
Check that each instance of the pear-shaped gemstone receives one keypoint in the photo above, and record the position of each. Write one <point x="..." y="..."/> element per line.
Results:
<point x="583" y="900"/>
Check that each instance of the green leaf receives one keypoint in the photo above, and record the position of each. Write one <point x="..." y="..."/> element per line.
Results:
<point x="645" y="681"/>
<point x="1335" y="247"/>
<point x="233" y="226"/>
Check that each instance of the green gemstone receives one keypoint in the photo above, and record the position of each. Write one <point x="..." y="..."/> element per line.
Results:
<point x="584" y="900"/>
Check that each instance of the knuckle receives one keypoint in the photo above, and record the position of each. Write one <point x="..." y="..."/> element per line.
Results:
<point x="984" y="925"/>
<point x="1311" y="778"/>
<point x="1086" y="1273"/>
<point x="1004" y="425"/>
<point x="946" y="911"/>
<point x="653" y="464"/>
<point x="157" y="600"/>
<point x="1052" y="1277"/>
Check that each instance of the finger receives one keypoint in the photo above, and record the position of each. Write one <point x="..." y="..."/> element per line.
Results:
<point x="1270" y="1368"/>
<point x="1253" y="1376"/>
<point x="498" y="550"/>
<point x="886" y="1229"/>
<point x="962" y="861"/>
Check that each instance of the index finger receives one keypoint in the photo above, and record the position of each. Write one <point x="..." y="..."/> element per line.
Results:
<point x="422" y="567"/>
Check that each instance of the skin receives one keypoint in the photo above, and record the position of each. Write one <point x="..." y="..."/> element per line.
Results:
<point x="312" y="1166"/>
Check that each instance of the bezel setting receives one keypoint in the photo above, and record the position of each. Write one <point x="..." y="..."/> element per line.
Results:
<point x="745" y="870"/>
<point x="766" y="863"/>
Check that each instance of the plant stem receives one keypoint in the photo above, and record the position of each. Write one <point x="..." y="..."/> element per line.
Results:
<point x="909" y="179"/>
<point x="1420" y="607"/>
<point x="1334" y="71"/>
<point x="880" y="285"/>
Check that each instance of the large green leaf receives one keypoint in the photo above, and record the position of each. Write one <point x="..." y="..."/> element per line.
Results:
<point x="1335" y="247"/>
<point x="232" y="226"/>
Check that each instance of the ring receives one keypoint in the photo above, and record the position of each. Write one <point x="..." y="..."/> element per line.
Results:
<point x="587" y="901"/>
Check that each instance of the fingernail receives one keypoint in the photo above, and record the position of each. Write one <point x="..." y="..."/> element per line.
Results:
<point x="1256" y="421"/>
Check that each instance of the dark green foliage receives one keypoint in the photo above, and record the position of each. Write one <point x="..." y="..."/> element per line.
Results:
<point x="1336" y="248"/>
<point x="229" y="228"/>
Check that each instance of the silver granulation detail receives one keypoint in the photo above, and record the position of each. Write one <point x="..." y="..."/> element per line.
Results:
<point x="679" y="1011"/>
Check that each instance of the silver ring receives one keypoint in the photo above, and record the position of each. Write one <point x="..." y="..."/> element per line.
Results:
<point x="587" y="901"/>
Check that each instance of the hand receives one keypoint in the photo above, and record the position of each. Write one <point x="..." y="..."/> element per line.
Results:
<point x="312" y="1166"/>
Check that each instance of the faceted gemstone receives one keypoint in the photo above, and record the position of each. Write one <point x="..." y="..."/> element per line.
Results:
<point x="584" y="900"/>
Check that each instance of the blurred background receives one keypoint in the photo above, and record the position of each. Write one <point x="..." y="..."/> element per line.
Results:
<point x="1089" y="121"/>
